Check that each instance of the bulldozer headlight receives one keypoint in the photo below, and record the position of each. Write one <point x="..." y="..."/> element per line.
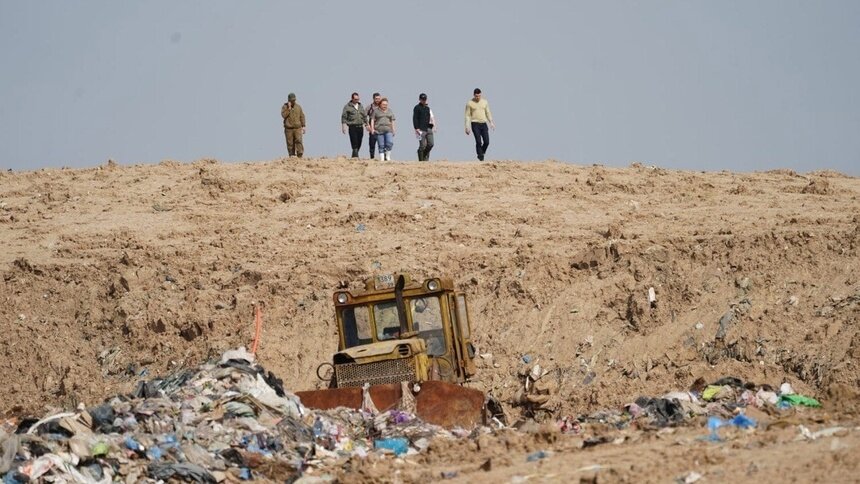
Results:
<point x="433" y="285"/>
<point x="342" y="298"/>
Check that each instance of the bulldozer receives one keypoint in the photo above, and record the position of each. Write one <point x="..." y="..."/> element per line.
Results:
<point x="402" y="341"/>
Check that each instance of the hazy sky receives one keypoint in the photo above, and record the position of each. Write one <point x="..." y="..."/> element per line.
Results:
<point x="739" y="85"/>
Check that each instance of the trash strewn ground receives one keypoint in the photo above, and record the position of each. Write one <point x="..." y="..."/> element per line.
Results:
<point x="225" y="420"/>
<point x="231" y="420"/>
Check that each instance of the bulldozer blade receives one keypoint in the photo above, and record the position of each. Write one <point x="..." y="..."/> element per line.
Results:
<point x="450" y="405"/>
<point x="385" y="397"/>
<point x="437" y="402"/>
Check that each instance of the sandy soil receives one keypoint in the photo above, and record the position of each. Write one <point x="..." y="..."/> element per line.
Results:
<point x="117" y="270"/>
<point x="670" y="455"/>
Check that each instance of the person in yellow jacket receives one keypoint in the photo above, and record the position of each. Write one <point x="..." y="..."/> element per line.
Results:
<point x="478" y="117"/>
<point x="294" y="126"/>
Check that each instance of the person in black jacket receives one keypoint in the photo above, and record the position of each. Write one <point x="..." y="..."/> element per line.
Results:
<point x="425" y="126"/>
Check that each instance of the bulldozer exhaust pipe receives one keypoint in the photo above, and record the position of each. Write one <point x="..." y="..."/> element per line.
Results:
<point x="401" y="307"/>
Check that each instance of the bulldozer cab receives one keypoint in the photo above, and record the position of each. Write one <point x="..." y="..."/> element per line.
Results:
<point x="397" y="319"/>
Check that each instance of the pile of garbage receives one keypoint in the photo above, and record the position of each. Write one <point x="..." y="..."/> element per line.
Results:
<point x="728" y="401"/>
<point x="227" y="420"/>
<point x="230" y="420"/>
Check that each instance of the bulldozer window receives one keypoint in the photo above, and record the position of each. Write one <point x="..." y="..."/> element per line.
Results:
<point x="387" y="321"/>
<point x="427" y="320"/>
<point x="356" y="326"/>
<point x="463" y="315"/>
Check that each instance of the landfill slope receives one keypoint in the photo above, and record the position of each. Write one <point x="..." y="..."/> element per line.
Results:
<point x="115" y="272"/>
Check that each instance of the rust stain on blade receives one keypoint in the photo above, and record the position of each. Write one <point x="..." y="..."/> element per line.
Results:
<point x="450" y="405"/>
<point x="438" y="402"/>
<point x="385" y="397"/>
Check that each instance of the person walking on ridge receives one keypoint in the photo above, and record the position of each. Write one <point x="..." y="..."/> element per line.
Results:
<point x="371" y="136"/>
<point x="478" y="116"/>
<point x="294" y="126"/>
<point x="382" y="124"/>
<point x="354" y="119"/>
<point x="425" y="126"/>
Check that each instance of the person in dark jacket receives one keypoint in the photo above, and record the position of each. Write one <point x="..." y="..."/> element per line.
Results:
<point x="371" y="136"/>
<point x="425" y="126"/>
<point x="354" y="119"/>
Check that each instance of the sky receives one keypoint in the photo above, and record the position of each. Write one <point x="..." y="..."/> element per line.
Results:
<point x="703" y="85"/>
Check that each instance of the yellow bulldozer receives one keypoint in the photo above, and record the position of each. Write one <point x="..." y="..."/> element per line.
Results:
<point x="398" y="336"/>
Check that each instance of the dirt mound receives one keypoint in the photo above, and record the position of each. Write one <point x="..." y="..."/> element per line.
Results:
<point x="113" y="272"/>
<point x="818" y="186"/>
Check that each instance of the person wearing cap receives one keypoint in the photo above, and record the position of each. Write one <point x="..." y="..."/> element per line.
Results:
<point x="478" y="117"/>
<point x="371" y="136"/>
<point x="354" y="119"/>
<point x="294" y="126"/>
<point x="425" y="126"/>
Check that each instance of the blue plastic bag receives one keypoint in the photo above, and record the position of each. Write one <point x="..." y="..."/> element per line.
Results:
<point x="134" y="445"/>
<point x="740" y="420"/>
<point x="398" y="445"/>
<point x="155" y="453"/>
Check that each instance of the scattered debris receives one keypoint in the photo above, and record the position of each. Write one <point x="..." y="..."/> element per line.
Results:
<point x="539" y="455"/>
<point x="229" y="419"/>
<point x="226" y="416"/>
<point x="806" y="434"/>
<point x="664" y="411"/>
<point x="690" y="478"/>
<point x="725" y="322"/>
<point x="786" y="401"/>
<point x="740" y="421"/>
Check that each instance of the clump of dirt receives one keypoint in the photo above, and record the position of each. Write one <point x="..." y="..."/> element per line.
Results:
<point x="818" y="186"/>
<point x="828" y="174"/>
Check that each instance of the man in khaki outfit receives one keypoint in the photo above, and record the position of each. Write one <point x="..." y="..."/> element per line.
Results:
<point x="294" y="126"/>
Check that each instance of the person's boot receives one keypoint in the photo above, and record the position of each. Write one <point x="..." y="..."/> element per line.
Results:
<point x="355" y="153"/>
<point x="381" y="156"/>
<point x="420" y="155"/>
<point x="427" y="155"/>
